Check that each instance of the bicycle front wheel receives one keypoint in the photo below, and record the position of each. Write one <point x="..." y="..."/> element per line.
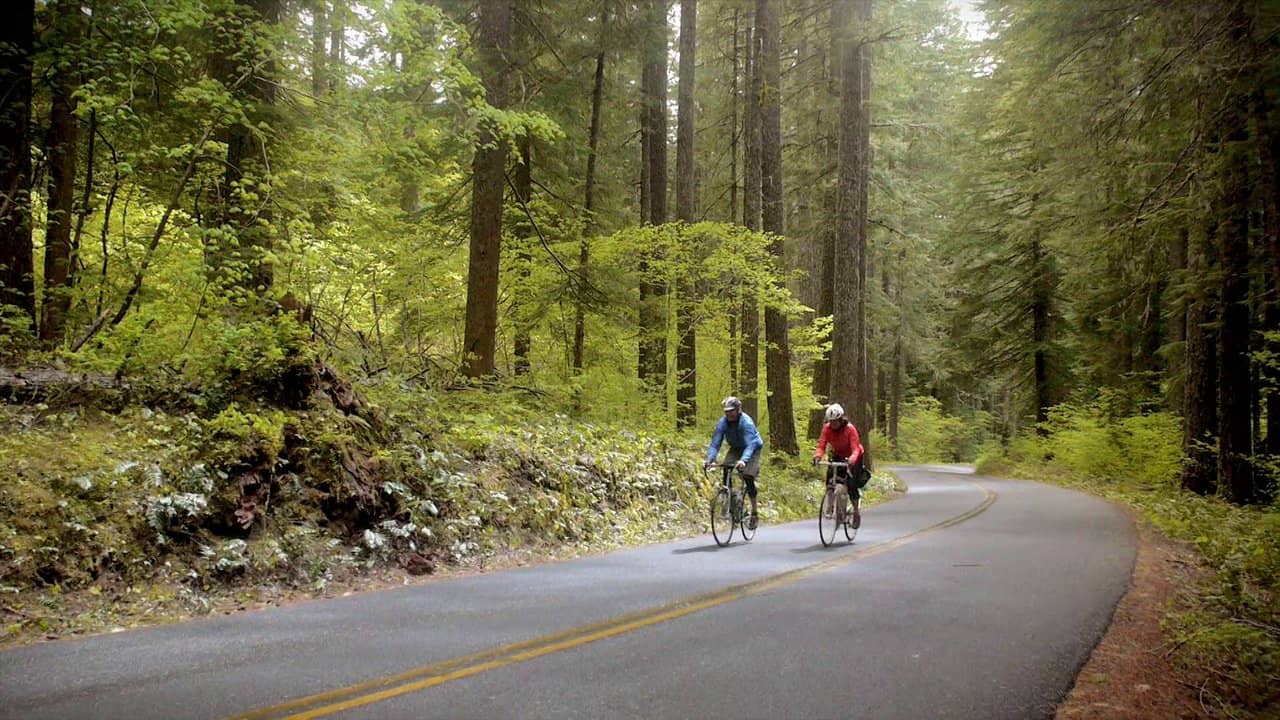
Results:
<point x="721" y="518"/>
<point x="827" y="518"/>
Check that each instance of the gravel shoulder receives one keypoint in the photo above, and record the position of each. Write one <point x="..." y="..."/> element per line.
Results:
<point x="1133" y="673"/>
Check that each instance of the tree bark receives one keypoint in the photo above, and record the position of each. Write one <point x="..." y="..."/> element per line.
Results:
<point x="848" y="351"/>
<point x="686" y="210"/>
<point x="1200" y="411"/>
<point x="522" y="186"/>
<point x="488" y="180"/>
<point x="750" y="389"/>
<point x="337" y="44"/>
<point x="733" y="133"/>
<point x="588" y="203"/>
<point x="826" y="305"/>
<point x="17" y="265"/>
<point x="882" y="376"/>
<point x="735" y="305"/>
<point x="62" y="142"/>
<point x="895" y="389"/>
<point x="1268" y="141"/>
<point x="1235" y="470"/>
<point x="1176" y="325"/>
<point x="782" y="424"/>
<point x="1040" y="299"/>
<point x="653" y="330"/>
<point x="319" y="35"/>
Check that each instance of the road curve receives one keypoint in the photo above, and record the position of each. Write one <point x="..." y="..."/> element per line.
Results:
<point x="969" y="597"/>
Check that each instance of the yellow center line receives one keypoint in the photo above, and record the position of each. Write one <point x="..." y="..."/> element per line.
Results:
<point x="377" y="690"/>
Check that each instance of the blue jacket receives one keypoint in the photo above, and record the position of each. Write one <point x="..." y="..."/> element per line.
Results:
<point x="741" y="435"/>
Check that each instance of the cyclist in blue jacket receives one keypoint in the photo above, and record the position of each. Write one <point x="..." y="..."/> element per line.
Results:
<point x="739" y="430"/>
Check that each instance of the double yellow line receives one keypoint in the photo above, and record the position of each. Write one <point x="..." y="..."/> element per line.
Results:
<point x="428" y="676"/>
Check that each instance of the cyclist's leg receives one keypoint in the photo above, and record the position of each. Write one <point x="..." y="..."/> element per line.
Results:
<point x="855" y="492"/>
<point x="831" y="472"/>
<point x="749" y="475"/>
<point x="731" y="458"/>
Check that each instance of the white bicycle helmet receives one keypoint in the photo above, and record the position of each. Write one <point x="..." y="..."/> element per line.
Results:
<point x="731" y="403"/>
<point x="834" y="412"/>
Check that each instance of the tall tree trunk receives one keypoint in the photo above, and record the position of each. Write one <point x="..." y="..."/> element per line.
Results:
<point x="733" y="129"/>
<point x="1200" y="410"/>
<point x="1040" y="299"/>
<point x="848" y="351"/>
<point x="337" y="43"/>
<point x="1235" y="471"/>
<point x="895" y="388"/>
<point x="863" y="392"/>
<point x="522" y="187"/>
<point x="589" y="197"/>
<point x="62" y="147"/>
<point x="488" y="175"/>
<point x="735" y="306"/>
<point x="1268" y="153"/>
<point x="750" y="389"/>
<point x="653" y="327"/>
<point x="836" y="21"/>
<point x="319" y="34"/>
<point x="882" y="376"/>
<point x="826" y="305"/>
<point x="645" y="71"/>
<point x="686" y="211"/>
<point x="782" y="423"/>
<point x="17" y="41"/>
<point x="1176" y="325"/>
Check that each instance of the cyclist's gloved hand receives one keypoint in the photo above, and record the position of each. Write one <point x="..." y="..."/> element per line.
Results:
<point x="741" y="465"/>
<point x="709" y="464"/>
<point x="816" y="459"/>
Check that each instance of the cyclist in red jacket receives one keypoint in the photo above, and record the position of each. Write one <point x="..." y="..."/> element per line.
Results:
<point x="842" y="437"/>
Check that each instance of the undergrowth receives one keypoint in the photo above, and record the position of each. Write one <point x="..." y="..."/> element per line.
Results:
<point x="1229" y="637"/>
<point x="145" y="514"/>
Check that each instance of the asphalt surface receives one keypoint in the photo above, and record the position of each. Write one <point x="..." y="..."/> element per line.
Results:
<point x="968" y="597"/>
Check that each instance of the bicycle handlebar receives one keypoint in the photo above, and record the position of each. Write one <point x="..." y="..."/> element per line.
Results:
<point x="832" y="464"/>
<point x="706" y="468"/>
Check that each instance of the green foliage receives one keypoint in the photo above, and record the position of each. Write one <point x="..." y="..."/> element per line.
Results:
<point x="926" y="434"/>
<point x="1086" y="443"/>
<point x="232" y="435"/>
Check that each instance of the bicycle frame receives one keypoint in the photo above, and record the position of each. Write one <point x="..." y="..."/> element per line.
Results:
<point x="835" y="464"/>
<point x="726" y="473"/>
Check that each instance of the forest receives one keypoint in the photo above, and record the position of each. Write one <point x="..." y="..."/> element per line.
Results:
<point x="294" y="292"/>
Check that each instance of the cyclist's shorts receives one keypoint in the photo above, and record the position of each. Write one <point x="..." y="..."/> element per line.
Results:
<point x="753" y="465"/>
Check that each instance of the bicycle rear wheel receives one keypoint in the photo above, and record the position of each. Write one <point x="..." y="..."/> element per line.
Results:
<point x="827" y="518"/>
<point x="852" y="519"/>
<point x="744" y="518"/>
<point x="721" y="518"/>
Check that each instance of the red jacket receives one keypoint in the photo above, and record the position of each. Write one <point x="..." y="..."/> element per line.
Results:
<point x="844" y="442"/>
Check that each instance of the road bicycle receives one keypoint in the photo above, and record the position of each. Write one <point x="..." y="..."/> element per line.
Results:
<point x="835" y="510"/>
<point x="728" y="508"/>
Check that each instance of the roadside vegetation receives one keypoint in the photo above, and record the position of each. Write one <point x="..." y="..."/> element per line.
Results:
<point x="1228" y="633"/>
<point x="149" y="512"/>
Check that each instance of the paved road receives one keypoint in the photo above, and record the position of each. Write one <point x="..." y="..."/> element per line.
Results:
<point x="969" y="597"/>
